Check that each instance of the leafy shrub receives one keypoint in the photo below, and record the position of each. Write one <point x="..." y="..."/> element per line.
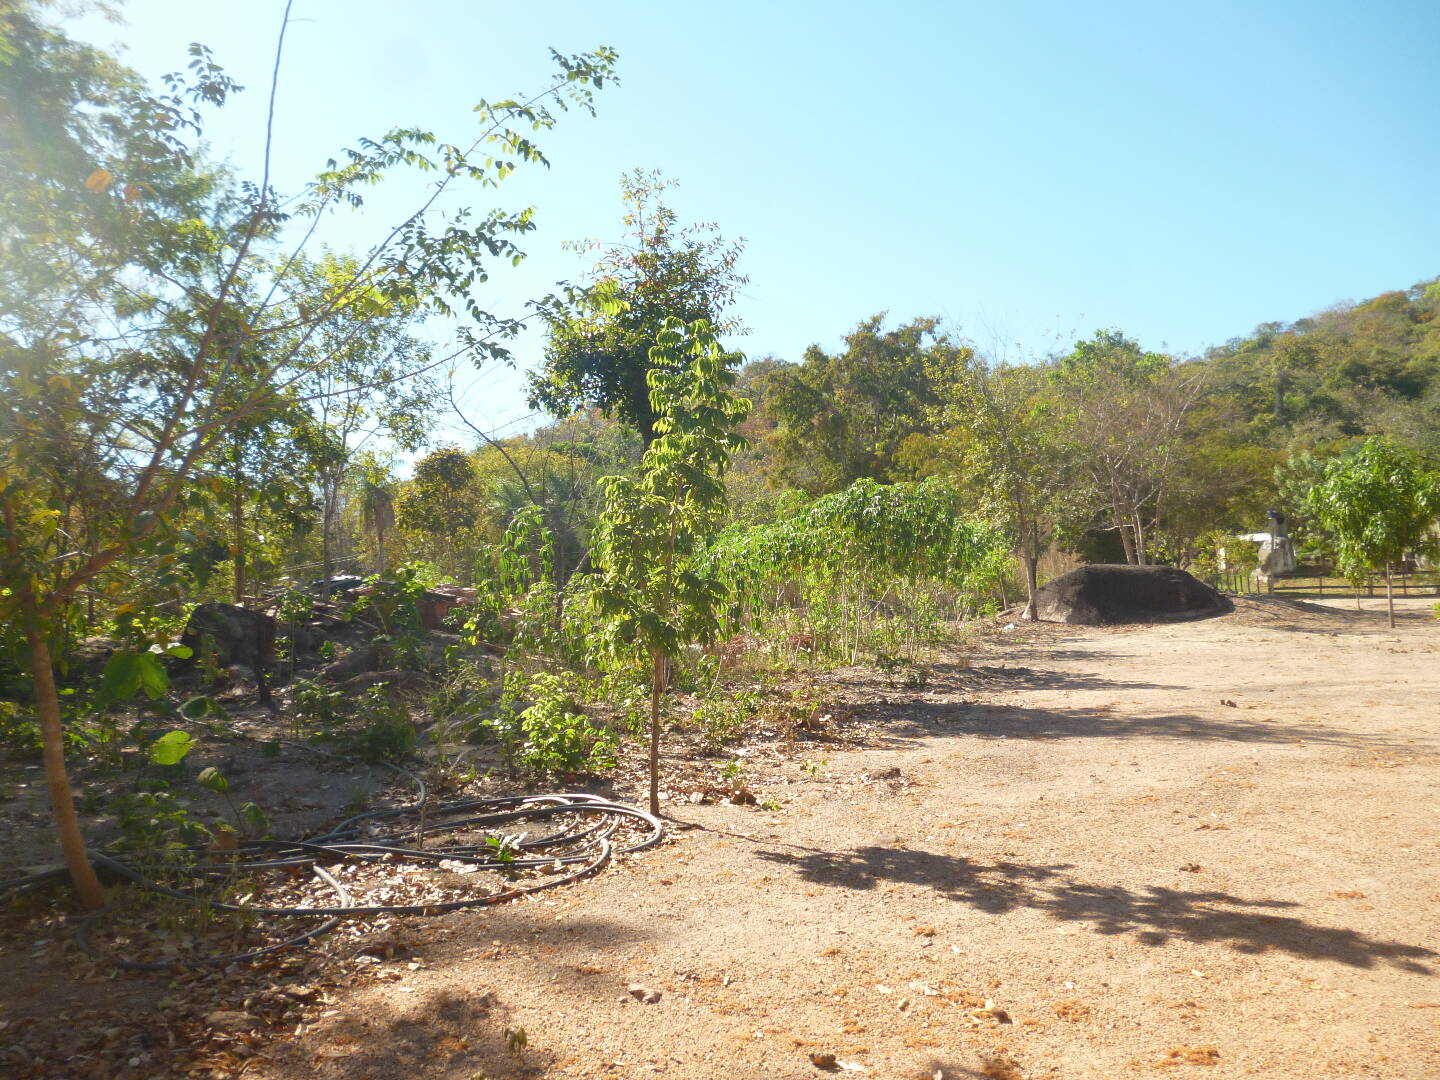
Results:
<point x="551" y="734"/>
<point x="317" y="707"/>
<point x="19" y="732"/>
<point x="723" y="719"/>
<point x="386" y="732"/>
<point x="380" y="741"/>
<point x="155" y="820"/>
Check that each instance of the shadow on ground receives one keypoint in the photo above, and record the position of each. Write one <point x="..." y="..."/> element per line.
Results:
<point x="468" y="1030"/>
<point x="1014" y="677"/>
<point x="926" y="718"/>
<point x="444" y="1033"/>
<point x="1155" y="914"/>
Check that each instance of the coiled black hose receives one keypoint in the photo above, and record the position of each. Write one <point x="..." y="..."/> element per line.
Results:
<point x="578" y="846"/>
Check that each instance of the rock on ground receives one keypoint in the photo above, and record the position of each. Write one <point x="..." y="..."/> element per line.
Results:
<point x="1103" y="595"/>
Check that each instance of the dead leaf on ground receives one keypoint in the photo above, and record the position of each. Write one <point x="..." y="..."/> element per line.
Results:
<point x="1001" y="1068"/>
<point x="1189" y="1055"/>
<point x="991" y="1011"/>
<point x="231" y="1021"/>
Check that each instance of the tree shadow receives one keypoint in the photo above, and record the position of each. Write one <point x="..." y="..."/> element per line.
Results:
<point x="985" y="721"/>
<point x="959" y="676"/>
<point x="1155" y="914"/>
<point x="444" y="1032"/>
<point x="464" y="1029"/>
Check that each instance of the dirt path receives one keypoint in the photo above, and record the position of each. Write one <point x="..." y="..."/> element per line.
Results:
<point x="1084" y="831"/>
<point x="1076" y="853"/>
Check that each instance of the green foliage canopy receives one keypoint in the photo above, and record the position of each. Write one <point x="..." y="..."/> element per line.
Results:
<point x="1380" y="503"/>
<point x="600" y="339"/>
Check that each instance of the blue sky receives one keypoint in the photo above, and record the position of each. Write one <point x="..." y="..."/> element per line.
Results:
<point x="1029" y="171"/>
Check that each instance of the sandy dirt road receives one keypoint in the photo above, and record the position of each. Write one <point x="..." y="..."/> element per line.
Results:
<point x="1209" y="847"/>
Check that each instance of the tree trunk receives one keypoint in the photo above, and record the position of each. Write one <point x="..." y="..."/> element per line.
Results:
<point x="237" y="527"/>
<point x="327" y="523"/>
<point x="1028" y="561"/>
<point x="1389" y="594"/>
<point x="379" y="545"/>
<point x="1125" y="539"/>
<point x="62" y="799"/>
<point x="657" y="687"/>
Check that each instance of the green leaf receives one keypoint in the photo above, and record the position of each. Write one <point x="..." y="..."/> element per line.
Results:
<point x="171" y="748"/>
<point x="199" y="707"/>
<point x="152" y="676"/>
<point x="213" y="779"/>
<point x="121" y="679"/>
<point x="254" y="818"/>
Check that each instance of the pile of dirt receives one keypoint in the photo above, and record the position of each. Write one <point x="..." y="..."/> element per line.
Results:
<point x="1104" y="595"/>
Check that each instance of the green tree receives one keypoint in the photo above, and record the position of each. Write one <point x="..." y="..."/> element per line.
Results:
<point x="445" y="503"/>
<point x="376" y="499"/>
<point x="371" y="379"/>
<point x="842" y="417"/>
<point x="649" y="591"/>
<point x="599" y="338"/>
<point x="1007" y="438"/>
<point x="1380" y="503"/>
<point x="1126" y="412"/>
<point x="146" y="314"/>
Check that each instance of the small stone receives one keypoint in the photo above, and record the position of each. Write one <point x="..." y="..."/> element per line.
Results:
<point x="642" y="993"/>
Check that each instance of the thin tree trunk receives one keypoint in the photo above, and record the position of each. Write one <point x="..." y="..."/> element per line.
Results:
<point x="237" y="525"/>
<point x="1142" y="553"/>
<point x="1389" y="594"/>
<point x="327" y="523"/>
<point x="62" y="799"/>
<point x="1125" y="539"/>
<point x="1032" y="611"/>
<point x="657" y="687"/>
<point x="659" y="669"/>
<point x="379" y="545"/>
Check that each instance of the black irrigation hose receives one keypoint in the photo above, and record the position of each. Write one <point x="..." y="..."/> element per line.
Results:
<point x="578" y="847"/>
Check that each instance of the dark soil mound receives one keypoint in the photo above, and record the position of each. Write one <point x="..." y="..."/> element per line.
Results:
<point x="1101" y="594"/>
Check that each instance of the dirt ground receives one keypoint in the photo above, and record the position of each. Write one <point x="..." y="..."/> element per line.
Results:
<point x="1077" y="853"/>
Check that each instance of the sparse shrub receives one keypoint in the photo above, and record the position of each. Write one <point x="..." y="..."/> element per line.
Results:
<point x="317" y="709"/>
<point x="722" y="719"/>
<point x="386" y="732"/>
<point x="155" y="820"/>
<point x="552" y="733"/>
